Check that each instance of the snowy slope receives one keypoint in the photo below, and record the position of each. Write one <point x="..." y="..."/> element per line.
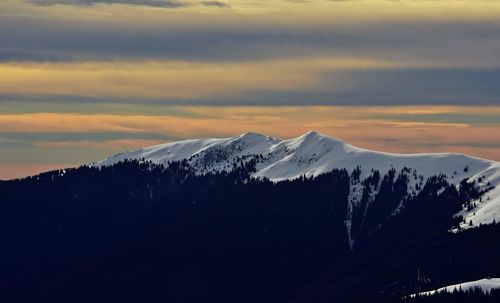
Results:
<point x="313" y="154"/>
<point x="485" y="284"/>
<point x="488" y="208"/>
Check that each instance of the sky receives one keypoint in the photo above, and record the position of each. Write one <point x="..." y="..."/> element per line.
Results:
<point x="83" y="79"/>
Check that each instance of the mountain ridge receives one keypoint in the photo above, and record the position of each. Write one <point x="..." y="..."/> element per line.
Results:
<point x="313" y="154"/>
<point x="255" y="143"/>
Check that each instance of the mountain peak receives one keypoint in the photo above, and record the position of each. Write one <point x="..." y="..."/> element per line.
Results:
<point x="312" y="137"/>
<point x="251" y="136"/>
<point x="312" y="134"/>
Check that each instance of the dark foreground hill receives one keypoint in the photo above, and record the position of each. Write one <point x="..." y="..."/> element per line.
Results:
<point x="140" y="232"/>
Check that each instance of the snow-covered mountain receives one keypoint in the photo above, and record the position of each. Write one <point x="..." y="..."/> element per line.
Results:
<point x="313" y="154"/>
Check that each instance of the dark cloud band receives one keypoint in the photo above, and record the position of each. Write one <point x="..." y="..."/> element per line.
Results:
<point x="47" y="40"/>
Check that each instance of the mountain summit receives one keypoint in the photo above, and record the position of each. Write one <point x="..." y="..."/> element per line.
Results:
<point x="313" y="154"/>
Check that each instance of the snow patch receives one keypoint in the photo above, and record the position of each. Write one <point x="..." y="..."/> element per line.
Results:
<point x="485" y="284"/>
<point x="354" y="198"/>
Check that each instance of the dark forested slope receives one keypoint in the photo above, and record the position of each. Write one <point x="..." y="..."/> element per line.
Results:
<point x="139" y="232"/>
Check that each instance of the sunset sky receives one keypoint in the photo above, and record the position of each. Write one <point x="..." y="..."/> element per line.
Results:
<point x="83" y="79"/>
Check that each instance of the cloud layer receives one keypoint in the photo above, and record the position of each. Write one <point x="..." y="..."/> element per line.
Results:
<point x="260" y="53"/>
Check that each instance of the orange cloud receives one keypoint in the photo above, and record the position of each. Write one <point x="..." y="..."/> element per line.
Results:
<point x="116" y="145"/>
